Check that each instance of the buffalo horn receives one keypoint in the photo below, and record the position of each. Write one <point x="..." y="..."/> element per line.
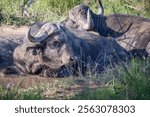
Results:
<point x="89" y="24"/>
<point x="46" y="30"/>
<point x="101" y="9"/>
<point x="36" y="39"/>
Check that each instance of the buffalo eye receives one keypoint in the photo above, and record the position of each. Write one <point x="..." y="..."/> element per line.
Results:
<point x="34" y="52"/>
<point x="57" y="44"/>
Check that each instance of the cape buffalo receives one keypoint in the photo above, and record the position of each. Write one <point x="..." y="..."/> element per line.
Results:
<point x="56" y="50"/>
<point x="131" y="32"/>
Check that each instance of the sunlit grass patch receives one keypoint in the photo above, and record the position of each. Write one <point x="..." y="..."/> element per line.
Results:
<point x="57" y="10"/>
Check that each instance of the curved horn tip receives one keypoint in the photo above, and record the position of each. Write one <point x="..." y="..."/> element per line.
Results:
<point x="36" y="38"/>
<point x="101" y="8"/>
<point x="29" y="36"/>
<point x="89" y="24"/>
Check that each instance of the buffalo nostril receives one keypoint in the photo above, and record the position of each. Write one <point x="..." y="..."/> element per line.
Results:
<point x="72" y="58"/>
<point x="34" y="52"/>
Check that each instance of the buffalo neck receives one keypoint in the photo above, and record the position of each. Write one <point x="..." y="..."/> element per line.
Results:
<point x="101" y="26"/>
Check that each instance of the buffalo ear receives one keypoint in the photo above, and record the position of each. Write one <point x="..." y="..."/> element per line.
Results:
<point x="100" y="8"/>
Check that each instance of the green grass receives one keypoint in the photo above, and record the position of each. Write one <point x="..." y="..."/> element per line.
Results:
<point x="136" y="7"/>
<point x="9" y="92"/>
<point x="57" y="10"/>
<point x="15" y="94"/>
<point x="41" y="10"/>
<point x="118" y="84"/>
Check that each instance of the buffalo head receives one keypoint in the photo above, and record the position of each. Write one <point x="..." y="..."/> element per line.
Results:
<point x="49" y="49"/>
<point x="81" y="17"/>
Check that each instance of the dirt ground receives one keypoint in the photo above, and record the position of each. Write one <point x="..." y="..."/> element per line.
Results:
<point x="57" y="87"/>
<point x="12" y="31"/>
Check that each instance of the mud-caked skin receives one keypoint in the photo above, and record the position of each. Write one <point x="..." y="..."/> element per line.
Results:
<point x="7" y="47"/>
<point x="56" y="50"/>
<point x="131" y="32"/>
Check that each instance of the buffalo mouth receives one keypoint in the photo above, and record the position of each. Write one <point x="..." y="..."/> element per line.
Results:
<point x="51" y="69"/>
<point x="61" y="72"/>
<point x="60" y="64"/>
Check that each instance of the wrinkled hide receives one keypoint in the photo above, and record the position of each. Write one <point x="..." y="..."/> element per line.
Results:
<point x="34" y="57"/>
<point x="28" y="60"/>
<point x="7" y="47"/>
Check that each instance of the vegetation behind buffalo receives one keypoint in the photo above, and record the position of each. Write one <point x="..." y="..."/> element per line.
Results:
<point x="116" y="83"/>
<point x="56" y="10"/>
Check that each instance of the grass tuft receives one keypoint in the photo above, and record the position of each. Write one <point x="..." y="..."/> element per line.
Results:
<point x="118" y="84"/>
